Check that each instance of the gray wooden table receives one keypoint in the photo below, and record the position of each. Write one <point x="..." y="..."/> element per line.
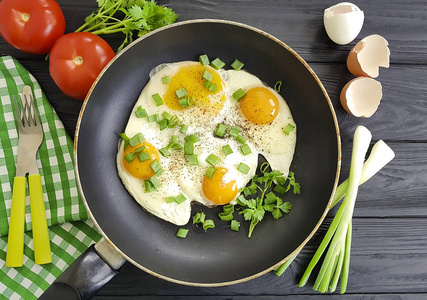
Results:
<point x="389" y="249"/>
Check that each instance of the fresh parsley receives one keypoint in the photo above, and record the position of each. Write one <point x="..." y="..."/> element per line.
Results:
<point x="129" y="17"/>
<point x="263" y="197"/>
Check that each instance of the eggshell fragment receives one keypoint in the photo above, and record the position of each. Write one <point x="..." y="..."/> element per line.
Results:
<point x="343" y="22"/>
<point x="361" y="96"/>
<point x="368" y="55"/>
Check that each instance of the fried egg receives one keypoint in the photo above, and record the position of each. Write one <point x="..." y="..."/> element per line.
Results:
<point x="199" y="97"/>
<point x="262" y="115"/>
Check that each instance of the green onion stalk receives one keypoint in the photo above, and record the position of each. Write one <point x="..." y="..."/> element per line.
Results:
<point x="338" y="256"/>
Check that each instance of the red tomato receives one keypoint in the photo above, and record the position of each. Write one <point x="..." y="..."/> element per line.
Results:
<point x="76" y="60"/>
<point x="31" y="26"/>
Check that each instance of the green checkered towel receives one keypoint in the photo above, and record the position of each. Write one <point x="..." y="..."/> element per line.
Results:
<point x="70" y="230"/>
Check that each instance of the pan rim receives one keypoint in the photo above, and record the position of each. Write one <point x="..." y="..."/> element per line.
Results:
<point x="334" y="117"/>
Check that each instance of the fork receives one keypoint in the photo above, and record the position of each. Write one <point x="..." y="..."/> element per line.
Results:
<point x="30" y="138"/>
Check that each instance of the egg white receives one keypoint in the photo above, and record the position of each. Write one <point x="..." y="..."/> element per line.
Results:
<point x="268" y="139"/>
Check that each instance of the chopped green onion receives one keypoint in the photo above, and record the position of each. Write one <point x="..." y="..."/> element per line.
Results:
<point x="139" y="149"/>
<point x="217" y="64"/>
<point x="241" y="139"/>
<point x="210" y="172"/>
<point x="182" y="233"/>
<point x="241" y="200"/>
<point x="176" y="146"/>
<point x="204" y="59"/>
<point x="212" y="87"/>
<point x="193" y="138"/>
<point x="143" y="156"/>
<point x="243" y="168"/>
<point x="184" y="128"/>
<point x="157" y="99"/>
<point x="234" y="131"/>
<point x="288" y="129"/>
<point x="154" y="182"/>
<point x="270" y="198"/>
<point x="208" y="224"/>
<point x="174" y="140"/>
<point x="193" y="101"/>
<point x="155" y="166"/>
<point x="235" y="225"/>
<point x="170" y="199"/>
<point x="239" y="94"/>
<point x="280" y="189"/>
<point x="182" y="92"/>
<point x="148" y="186"/>
<point x="159" y="172"/>
<point x="163" y="124"/>
<point x="184" y="102"/>
<point x="207" y="75"/>
<point x="165" y="152"/>
<point x="180" y="198"/>
<point x="212" y="159"/>
<point x="124" y="137"/>
<point x="136" y="139"/>
<point x="228" y="208"/>
<point x="153" y="118"/>
<point x="140" y="112"/>
<point x="225" y="217"/>
<point x="188" y="148"/>
<point x="245" y="149"/>
<point x="237" y="65"/>
<point x="167" y="115"/>
<point x="166" y="79"/>
<point x="193" y="160"/>
<point x="199" y="218"/>
<point x="130" y="157"/>
<point x="227" y="149"/>
<point x="227" y="212"/>
<point x="207" y="84"/>
<point x="220" y="129"/>
<point x="277" y="86"/>
<point x="173" y="122"/>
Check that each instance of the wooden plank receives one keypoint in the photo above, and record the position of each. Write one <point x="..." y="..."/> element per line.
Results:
<point x="401" y="115"/>
<point x="388" y="256"/>
<point x="300" y="24"/>
<point x="297" y="23"/>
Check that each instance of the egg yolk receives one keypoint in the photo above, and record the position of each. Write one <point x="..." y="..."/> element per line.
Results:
<point x="260" y="105"/>
<point x="218" y="191"/>
<point x="190" y="78"/>
<point x="141" y="169"/>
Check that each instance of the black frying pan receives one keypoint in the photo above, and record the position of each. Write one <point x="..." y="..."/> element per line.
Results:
<point x="218" y="256"/>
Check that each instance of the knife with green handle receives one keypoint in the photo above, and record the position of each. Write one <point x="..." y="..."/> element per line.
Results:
<point x="30" y="138"/>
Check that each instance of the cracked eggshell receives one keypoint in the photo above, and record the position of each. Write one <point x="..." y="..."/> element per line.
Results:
<point x="368" y="55"/>
<point x="361" y="96"/>
<point x="343" y="22"/>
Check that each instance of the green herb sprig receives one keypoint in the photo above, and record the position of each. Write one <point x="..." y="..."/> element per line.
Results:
<point x="254" y="209"/>
<point x="129" y="17"/>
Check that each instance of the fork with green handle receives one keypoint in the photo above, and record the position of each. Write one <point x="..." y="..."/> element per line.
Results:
<point x="30" y="138"/>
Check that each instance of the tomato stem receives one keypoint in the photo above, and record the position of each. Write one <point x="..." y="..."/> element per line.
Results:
<point x="25" y="17"/>
<point x="78" y="60"/>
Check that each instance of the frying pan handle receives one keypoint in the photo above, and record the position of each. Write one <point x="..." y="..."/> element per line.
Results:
<point x="86" y="275"/>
